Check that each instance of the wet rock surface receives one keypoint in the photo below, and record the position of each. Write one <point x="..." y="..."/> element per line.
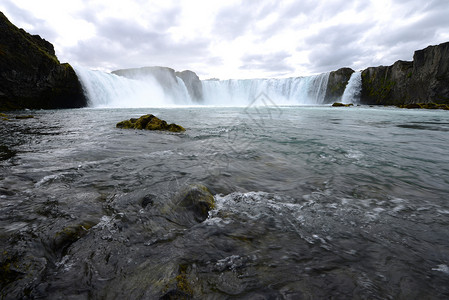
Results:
<point x="149" y="122"/>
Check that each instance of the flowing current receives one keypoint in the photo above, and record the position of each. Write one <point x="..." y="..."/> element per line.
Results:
<point x="109" y="90"/>
<point x="311" y="202"/>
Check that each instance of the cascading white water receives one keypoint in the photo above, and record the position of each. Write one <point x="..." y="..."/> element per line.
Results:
<point x="353" y="89"/>
<point x="110" y="90"/>
<point x="285" y="91"/>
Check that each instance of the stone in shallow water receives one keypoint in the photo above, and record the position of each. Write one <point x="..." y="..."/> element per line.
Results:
<point x="149" y="122"/>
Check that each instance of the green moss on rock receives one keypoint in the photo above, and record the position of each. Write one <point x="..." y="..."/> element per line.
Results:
<point x="149" y="122"/>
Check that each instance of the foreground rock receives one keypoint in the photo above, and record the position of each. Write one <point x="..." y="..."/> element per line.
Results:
<point x="196" y="199"/>
<point x="31" y="75"/>
<point x="149" y="122"/>
<point x="423" y="80"/>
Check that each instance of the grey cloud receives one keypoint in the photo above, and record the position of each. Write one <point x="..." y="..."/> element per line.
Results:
<point x="125" y="43"/>
<point x="339" y="34"/>
<point x="335" y="47"/>
<point x="234" y="21"/>
<point x="326" y="57"/>
<point x="273" y="62"/>
<point x="15" y="13"/>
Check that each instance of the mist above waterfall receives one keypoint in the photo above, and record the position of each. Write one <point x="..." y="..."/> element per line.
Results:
<point x="163" y="87"/>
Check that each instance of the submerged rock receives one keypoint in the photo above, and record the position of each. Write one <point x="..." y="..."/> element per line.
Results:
<point x="339" y="104"/>
<point x="149" y="122"/>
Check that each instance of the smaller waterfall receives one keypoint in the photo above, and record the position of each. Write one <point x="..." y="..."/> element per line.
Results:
<point x="353" y="90"/>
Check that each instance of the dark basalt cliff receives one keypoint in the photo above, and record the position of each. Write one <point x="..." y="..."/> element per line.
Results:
<point x="337" y="84"/>
<point x="31" y="75"/>
<point x="423" y="80"/>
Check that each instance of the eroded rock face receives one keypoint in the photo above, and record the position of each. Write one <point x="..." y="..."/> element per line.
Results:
<point x="149" y="122"/>
<point x="424" y="80"/>
<point x="31" y="75"/>
<point x="193" y="85"/>
<point x="338" y="80"/>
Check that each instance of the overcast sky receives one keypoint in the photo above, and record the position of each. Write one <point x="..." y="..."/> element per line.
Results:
<point x="234" y="39"/>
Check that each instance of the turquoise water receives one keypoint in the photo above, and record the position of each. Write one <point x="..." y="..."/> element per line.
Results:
<point x="311" y="202"/>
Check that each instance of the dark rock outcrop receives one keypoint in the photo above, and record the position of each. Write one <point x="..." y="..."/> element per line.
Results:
<point x="193" y="85"/>
<point x="337" y="84"/>
<point x="31" y="75"/>
<point x="149" y="122"/>
<point x="424" y="80"/>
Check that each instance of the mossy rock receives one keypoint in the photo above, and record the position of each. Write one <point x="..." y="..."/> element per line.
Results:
<point x="197" y="199"/>
<point x="70" y="234"/>
<point x="4" y="117"/>
<point x="339" y="104"/>
<point x="149" y="122"/>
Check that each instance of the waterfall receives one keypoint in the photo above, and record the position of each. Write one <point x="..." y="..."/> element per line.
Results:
<point x="129" y="89"/>
<point x="109" y="90"/>
<point x="353" y="89"/>
<point x="284" y="91"/>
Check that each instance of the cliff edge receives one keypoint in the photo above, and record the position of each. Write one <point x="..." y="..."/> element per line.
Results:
<point x="31" y="75"/>
<point x="423" y="80"/>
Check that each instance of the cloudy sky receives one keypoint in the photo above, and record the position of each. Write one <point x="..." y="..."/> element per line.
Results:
<point x="234" y="39"/>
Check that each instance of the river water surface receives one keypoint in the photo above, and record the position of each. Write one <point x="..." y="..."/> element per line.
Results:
<point x="311" y="203"/>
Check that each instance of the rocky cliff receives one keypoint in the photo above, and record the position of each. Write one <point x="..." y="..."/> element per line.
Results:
<point x="337" y="84"/>
<point x="193" y="84"/>
<point x="423" y="80"/>
<point x="31" y="75"/>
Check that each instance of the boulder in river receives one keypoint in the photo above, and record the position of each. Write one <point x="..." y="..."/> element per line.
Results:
<point x="149" y="122"/>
